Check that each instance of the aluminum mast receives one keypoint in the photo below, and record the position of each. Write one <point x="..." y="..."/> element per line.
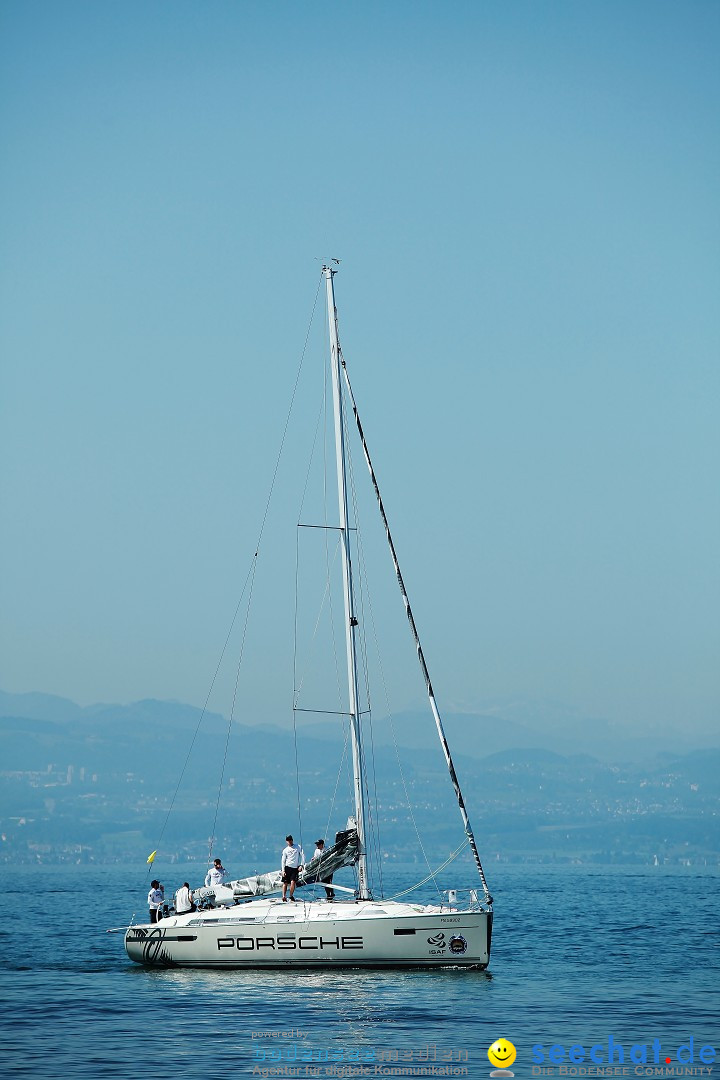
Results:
<point x="350" y="619"/>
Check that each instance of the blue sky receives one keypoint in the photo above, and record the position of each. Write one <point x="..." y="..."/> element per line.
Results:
<point x="524" y="199"/>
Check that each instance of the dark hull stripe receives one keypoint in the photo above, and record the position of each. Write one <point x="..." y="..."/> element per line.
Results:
<point x="234" y="965"/>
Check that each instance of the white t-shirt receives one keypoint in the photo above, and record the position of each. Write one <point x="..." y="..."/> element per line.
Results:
<point x="183" y="901"/>
<point x="215" y="875"/>
<point x="156" y="899"/>
<point x="292" y="855"/>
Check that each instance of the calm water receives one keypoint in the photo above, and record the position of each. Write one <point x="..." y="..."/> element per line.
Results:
<point x="578" y="955"/>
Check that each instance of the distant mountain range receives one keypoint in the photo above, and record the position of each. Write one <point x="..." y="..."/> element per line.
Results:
<point x="506" y="725"/>
<point x="529" y="725"/>
<point x="98" y="782"/>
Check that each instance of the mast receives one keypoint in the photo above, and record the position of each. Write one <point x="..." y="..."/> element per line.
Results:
<point x="350" y="619"/>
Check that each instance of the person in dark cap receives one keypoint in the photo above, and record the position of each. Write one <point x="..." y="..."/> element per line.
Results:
<point x="292" y="859"/>
<point x="319" y="849"/>
<point x="156" y="899"/>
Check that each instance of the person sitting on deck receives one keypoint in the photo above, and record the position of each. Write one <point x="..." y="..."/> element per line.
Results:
<point x="184" y="900"/>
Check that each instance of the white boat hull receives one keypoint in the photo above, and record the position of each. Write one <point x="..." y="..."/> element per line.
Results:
<point x="270" y="934"/>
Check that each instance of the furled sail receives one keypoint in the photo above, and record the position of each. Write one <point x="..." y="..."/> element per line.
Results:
<point x="344" y="852"/>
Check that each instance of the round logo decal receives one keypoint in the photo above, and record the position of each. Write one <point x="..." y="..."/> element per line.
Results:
<point x="458" y="945"/>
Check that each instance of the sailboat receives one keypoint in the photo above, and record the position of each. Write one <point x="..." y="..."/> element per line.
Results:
<point x="245" y="924"/>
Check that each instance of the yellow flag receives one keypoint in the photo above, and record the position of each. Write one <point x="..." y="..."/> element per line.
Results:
<point x="151" y="857"/>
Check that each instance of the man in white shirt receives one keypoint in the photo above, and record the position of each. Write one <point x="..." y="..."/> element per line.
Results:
<point x="184" y="900"/>
<point x="292" y="859"/>
<point x="216" y="874"/>
<point x="156" y="899"/>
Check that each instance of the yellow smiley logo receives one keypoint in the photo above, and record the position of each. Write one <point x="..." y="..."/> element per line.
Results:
<point x="502" y="1053"/>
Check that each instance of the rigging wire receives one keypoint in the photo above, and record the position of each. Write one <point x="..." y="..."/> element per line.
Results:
<point x="361" y="577"/>
<point x="421" y="656"/>
<point x="328" y="564"/>
<point x="337" y="781"/>
<point x="322" y="415"/>
<point x="250" y="574"/>
<point x="249" y="577"/>
<point x="433" y="873"/>
<point x="232" y="711"/>
<point x="381" y="669"/>
<point x="345" y="759"/>
<point x="327" y="598"/>
<point x="365" y="576"/>
<point x="297" y="779"/>
<point x="259" y="540"/>
<point x="287" y="420"/>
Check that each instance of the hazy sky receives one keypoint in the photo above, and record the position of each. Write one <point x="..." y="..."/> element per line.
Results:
<point x="524" y="197"/>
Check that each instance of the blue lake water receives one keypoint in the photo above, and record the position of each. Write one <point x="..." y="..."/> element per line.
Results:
<point x="579" y="956"/>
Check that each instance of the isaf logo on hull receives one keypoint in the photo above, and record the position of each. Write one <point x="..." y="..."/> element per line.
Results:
<point x="438" y="942"/>
<point x="457" y="944"/>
